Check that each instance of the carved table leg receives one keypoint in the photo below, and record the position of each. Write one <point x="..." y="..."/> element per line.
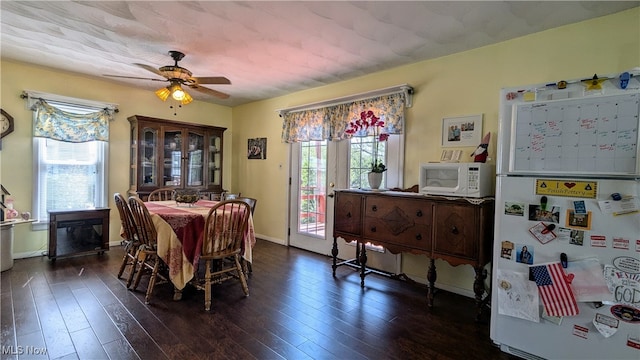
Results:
<point x="363" y="262"/>
<point x="334" y="252"/>
<point x="177" y="294"/>
<point x="431" y="277"/>
<point x="478" y="289"/>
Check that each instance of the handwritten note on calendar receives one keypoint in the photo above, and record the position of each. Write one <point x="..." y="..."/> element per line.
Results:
<point x="588" y="135"/>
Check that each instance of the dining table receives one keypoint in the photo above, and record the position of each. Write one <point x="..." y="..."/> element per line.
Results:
<point x="180" y="229"/>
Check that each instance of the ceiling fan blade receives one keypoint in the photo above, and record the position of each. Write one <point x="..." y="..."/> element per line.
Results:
<point x="218" y="80"/>
<point x="134" y="77"/>
<point x="149" y="68"/>
<point x="208" y="91"/>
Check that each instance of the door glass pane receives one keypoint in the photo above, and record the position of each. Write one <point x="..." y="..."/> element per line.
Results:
<point x="195" y="159"/>
<point x="214" y="160"/>
<point x="172" y="158"/>
<point x="312" y="193"/>
<point x="148" y="147"/>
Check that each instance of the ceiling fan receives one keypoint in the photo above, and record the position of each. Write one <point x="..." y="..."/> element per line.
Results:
<point x="178" y="76"/>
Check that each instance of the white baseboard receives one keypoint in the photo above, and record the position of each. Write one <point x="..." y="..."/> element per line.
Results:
<point x="271" y="239"/>
<point x="30" y="254"/>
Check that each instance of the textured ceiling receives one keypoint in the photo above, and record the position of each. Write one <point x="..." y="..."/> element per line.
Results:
<point x="265" y="48"/>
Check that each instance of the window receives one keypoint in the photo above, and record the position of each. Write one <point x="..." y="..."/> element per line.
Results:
<point x="361" y="158"/>
<point x="68" y="175"/>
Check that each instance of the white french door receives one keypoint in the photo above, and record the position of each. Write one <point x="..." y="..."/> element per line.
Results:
<point x="317" y="169"/>
<point x="313" y="178"/>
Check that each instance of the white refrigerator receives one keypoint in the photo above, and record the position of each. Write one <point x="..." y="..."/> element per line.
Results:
<point x="566" y="263"/>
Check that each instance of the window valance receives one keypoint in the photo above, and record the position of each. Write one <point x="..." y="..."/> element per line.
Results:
<point x="330" y="122"/>
<point x="53" y="123"/>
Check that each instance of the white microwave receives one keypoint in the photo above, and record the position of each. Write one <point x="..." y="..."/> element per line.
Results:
<point x="457" y="179"/>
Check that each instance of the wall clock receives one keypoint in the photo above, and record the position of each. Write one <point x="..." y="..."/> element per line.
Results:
<point x="6" y="124"/>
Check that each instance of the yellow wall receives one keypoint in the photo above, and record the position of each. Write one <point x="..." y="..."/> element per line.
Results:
<point x="16" y="165"/>
<point x="460" y="84"/>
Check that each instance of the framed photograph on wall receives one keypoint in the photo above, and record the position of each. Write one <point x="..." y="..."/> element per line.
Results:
<point x="462" y="131"/>
<point x="257" y="148"/>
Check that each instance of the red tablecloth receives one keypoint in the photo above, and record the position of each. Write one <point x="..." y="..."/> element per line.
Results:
<point x="180" y="230"/>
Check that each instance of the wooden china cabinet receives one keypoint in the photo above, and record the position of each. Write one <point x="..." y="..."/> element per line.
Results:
<point x="167" y="153"/>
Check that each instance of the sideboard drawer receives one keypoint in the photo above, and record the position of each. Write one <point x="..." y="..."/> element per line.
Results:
<point x="415" y="236"/>
<point x="388" y="208"/>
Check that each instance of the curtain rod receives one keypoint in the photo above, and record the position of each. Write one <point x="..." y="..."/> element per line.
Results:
<point x="407" y="89"/>
<point x="30" y="94"/>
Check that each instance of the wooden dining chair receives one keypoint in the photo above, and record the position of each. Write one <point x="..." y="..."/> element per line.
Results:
<point x="224" y="231"/>
<point x="162" y="194"/>
<point x="130" y="237"/>
<point x="246" y="266"/>
<point x="251" y="201"/>
<point x="147" y="257"/>
<point x="230" y="196"/>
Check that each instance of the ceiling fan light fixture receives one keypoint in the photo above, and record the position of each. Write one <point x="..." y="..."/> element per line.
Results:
<point x="175" y="72"/>
<point x="163" y="93"/>
<point x="186" y="99"/>
<point x="176" y="92"/>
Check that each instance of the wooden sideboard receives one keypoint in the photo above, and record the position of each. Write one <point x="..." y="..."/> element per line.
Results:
<point x="457" y="230"/>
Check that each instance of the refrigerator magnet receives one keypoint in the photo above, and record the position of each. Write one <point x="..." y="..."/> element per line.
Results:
<point x="544" y="233"/>
<point x="524" y="254"/>
<point x="506" y="251"/>
<point x="606" y="325"/>
<point x="579" y="207"/>
<point x="575" y="220"/>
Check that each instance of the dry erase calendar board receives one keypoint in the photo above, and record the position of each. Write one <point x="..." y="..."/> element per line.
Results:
<point x="593" y="135"/>
<point x="571" y="132"/>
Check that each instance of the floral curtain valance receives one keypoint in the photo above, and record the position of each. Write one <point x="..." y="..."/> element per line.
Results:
<point x="332" y="121"/>
<point x="53" y="123"/>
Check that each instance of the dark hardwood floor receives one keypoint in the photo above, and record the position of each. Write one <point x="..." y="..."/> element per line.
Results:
<point x="76" y="308"/>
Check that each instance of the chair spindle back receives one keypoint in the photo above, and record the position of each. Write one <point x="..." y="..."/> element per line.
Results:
<point x="144" y="224"/>
<point x="126" y="217"/>
<point x="224" y="228"/>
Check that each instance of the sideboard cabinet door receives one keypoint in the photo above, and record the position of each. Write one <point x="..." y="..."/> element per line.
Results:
<point x="348" y="214"/>
<point x="456" y="230"/>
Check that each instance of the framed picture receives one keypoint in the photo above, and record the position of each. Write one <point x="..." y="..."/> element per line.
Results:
<point x="257" y="148"/>
<point x="450" y="156"/>
<point x="462" y="131"/>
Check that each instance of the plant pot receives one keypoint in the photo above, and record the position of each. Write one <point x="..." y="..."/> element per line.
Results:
<point x="375" y="179"/>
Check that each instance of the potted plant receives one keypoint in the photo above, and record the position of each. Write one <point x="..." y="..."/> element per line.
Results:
<point x="368" y="122"/>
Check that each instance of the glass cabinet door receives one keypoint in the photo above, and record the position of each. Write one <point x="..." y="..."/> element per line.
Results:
<point x="148" y="156"/>
<point x="215" y="161"/>
<point x="195" y="159"/>
<point x="167" y="153"/>
<point x="172" y="158"/>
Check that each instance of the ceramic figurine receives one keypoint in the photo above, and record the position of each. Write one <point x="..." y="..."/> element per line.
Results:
<point x="482" y="151"/>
